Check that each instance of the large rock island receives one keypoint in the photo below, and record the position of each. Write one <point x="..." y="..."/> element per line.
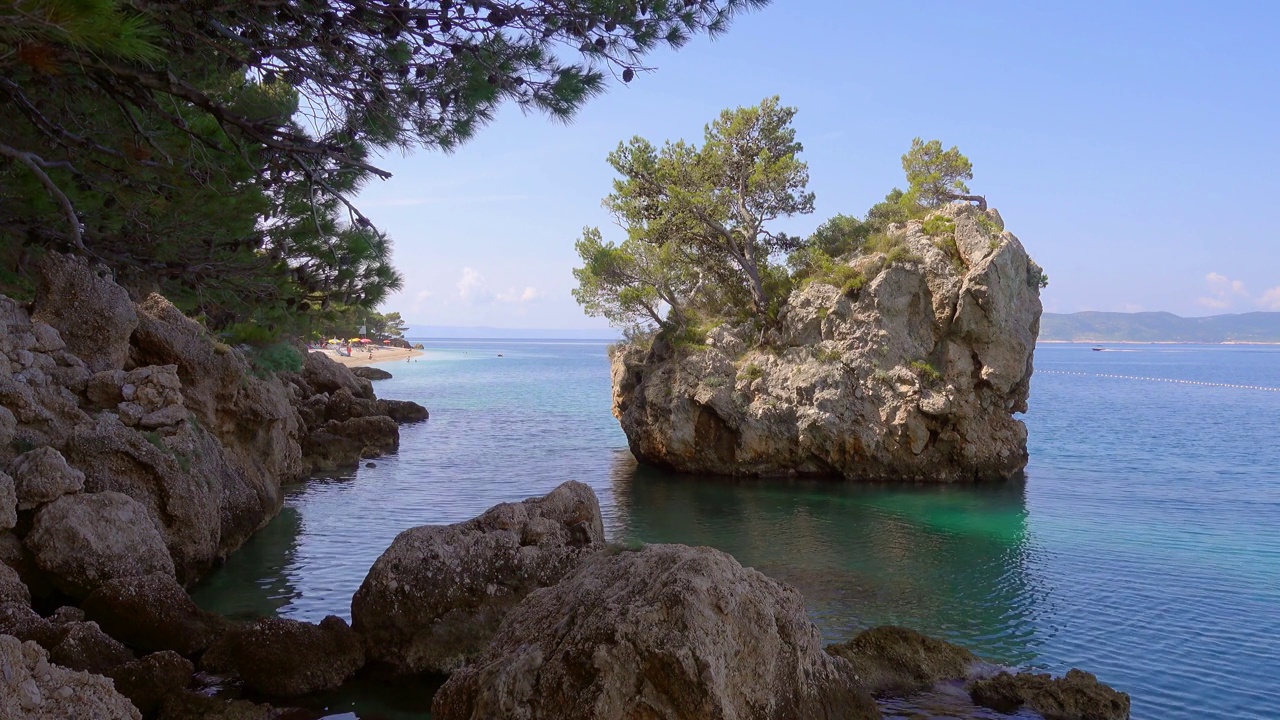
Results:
<point x="911" y="370"/>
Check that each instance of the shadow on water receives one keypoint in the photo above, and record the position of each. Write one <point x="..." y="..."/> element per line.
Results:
<point x="255" y="581"/>
<point x="948" y="561"/>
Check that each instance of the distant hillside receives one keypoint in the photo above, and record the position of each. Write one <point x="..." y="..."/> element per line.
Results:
<point x="424" y="332"/>
<point x="1260" y="327"/>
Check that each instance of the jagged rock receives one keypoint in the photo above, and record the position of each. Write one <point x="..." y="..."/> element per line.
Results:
<point x="343" y="406"/>
<point x="326" y="376"/>
<point x="84" y="646"/>
<point x="148" y="681"/>
<point x="152" y="612"/>
<point x="32" y="688"/>
<point x="285" y="657"/>
<point x="895" y="661"/>
<point x="46" y="338"/>
<point x="16" y="555"/>
<point x="1076" y="696"/>
<point x="187" y="705"/>
<point x="403" y="411"/>
<point x="664" y="632"/>
<point x="81" y="541"/>
<point x="20" y="621"/>
<point x="92" y="314"/>
<point x="8" y="502"/>
<point x="67" y="614"/>
<point x="343" y="443"/>
<point x="371" y="373"/>
<point x="12" y="589"/>
<point x="439" y="592"/>
<point x="913" y="376"/>
<point x="43" y="475"/>
<point x="8" y="426"/>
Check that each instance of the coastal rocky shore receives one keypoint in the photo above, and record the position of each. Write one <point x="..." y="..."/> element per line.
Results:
<point x="913" y="373"/>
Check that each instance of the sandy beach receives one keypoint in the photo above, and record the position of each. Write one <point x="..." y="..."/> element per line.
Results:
<point x="380" y="355"/>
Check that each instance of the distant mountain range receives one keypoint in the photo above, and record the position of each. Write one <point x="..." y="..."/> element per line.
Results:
<point x="1254" y="327"/>
<point x="426" y="332"/>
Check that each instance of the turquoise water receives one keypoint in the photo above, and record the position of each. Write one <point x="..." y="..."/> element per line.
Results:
<point x="1144" y="544"/>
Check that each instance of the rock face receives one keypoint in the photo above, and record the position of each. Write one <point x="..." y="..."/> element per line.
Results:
<point x="437" y="595"/>
<point x="665" y="632"/>
<point x="82" y="541"/>
<point x="42" y="475"/>
<point x="895" y="661"/>
<point x="1076" y="696"/>
<point x="284" y="657"/>
<point x="912" y="375"/>
<point x="149" y="680"/>
<point x="32" y="688"/>
<point x="92" y="315"/>
<point x="152" y="612"/>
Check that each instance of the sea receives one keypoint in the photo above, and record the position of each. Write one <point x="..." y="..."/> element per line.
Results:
<point x="1143" y="545"/>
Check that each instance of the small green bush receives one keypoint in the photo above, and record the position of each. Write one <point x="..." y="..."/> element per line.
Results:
<point x="249" y="333"/>
<point x="986" y="222"/>
<point x="938" y="226"/>
<point x="828" y="355"/>
<point x="278" y="358"/>
<point x="715" y="381"/>
<point x="926" y="370"/>
<point x="752" y="372"/>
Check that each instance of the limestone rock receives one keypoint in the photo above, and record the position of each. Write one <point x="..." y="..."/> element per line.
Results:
<point x="12" y="589"/>
<point x="344" y="443"/>
<point x="403" y="411"/>
<point x="8" y="502"/>
<point x="325" y="375"/>
<point x="371" y="373"/>
<point x="914" y="376"/>
<point x="438" y="593"/>
<point x="285" y="657"/>
<point x="91" y="314"/>
<point x="187" y="705"/>
<point x="895" y="661"/>
<point x="20" y="621"/>
<point x="666" y="632"/>
<point x="84" y="646"/>
<point x="152" y="612"/>
<point x="67" y="614"/>
<point x="1076" y="696"/>
<point x="43" y="475"/>
<point x="82" y="541"/>
<point x="149" y="680"/>
<point x="32" y="688"/>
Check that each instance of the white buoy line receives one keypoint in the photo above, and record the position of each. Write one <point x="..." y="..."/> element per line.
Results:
<point x="1157" y="379"/>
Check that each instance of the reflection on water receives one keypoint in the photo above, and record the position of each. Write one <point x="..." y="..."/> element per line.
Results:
<point x="948" y="561"/>
<point x="256" y="580"/>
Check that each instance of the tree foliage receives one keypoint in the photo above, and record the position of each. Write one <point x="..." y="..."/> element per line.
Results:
<point x="935" y="176"/>
<point x="699" y="220"/>
<point x="211" y="149"/>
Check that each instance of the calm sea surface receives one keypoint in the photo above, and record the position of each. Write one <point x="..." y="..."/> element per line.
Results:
<point x="1144" y="544"/>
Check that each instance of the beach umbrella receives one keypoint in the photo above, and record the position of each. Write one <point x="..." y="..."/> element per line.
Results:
<point x="365" y="340"/>
<point x="386" y="342"/>
<point x="354" y="340"/>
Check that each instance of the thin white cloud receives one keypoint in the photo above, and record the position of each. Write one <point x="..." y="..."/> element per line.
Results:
<point x="513" y="296"/>
<point x="1222" y="291"/>
<point x="1270" y="300"/>
<point x="420" y="300"/>
<point x="471" y="287"/>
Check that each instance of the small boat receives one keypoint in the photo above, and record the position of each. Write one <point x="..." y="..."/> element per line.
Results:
<point x="499" y="354"/>
<point x="1099" y="349"/>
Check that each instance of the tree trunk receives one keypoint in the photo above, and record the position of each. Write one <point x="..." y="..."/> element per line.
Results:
<point x="981" y="200"/>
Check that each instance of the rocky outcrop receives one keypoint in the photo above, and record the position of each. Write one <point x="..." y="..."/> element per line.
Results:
<point x="910" y="371"/>
<point x="666" y="632"/>
<point x="8" y="502"/>
<point x="370" y="373"/>
<point x="285" y="658"/>
<point x="93" y="316"/>
<point x="895" y="662"/>
<point x="437" y="595"/>
<point x="12" y="589"/>
<point x="152" y="612"/>
<point x="84" y="646"/>
<point x="82" y="541"/>
<point x="41" y="476"/>
<point x="32" y="688"/>
<point x="148" y="681"/>
<point x="188" y="705"/>
<point x="1076" y="696"/>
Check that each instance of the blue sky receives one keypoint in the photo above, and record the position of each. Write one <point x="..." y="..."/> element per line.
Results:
<point x="1131" y="146"/>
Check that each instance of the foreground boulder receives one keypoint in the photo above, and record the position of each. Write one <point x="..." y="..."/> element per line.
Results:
<point x="285" y="657"/>
<point x="912" y="370"/>
<point x="12" y="589"/>
<point x="665" y="632"/>
<point x="149" y="680"/>
<point x="152" y="612"/>
<point x="437" y="595"/>
<point x="92" y="315"/>
<point x="370" y="373"/>
<point x="894" y="661"/>
<point x="82" y="541"/>
<point x="32" y="688"/>
<point x="41" y="476"/>
<point x="85" y="647"/>
<point x="1076" y="696"/>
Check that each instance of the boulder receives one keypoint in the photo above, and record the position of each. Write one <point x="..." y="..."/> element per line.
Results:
<point x="19" y="559"/>
<point x="43" y="475"/>
<point x="664" y="632"/>
<point x="12" y="589"/>
<point x="913" y="375"/>
<point x="149" y="680"/>
<point x="403" y="411"/>
<point x="83" y="646"/>
<point x="8" y="502"/>
<point x="344" y="443"/>
<point x="895" y="662"/>
<point x="371" y="373"/>
<point x="67" y="614"/>
<point x="20" y="621"/>
<point x="92" y="315"/>
<point x="282" y="657"/>
<point x="1076" y="696"/>
<point x="152" y="612"/>
<point x="32" y="688"/>
<point x="188" y="705"/>
<point x="82" y="541"/>
<point x="326" y="376"/>
<point x="436" y="596"/>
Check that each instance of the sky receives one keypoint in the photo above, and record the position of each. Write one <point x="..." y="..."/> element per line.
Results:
<point x="1134" y="149"/>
